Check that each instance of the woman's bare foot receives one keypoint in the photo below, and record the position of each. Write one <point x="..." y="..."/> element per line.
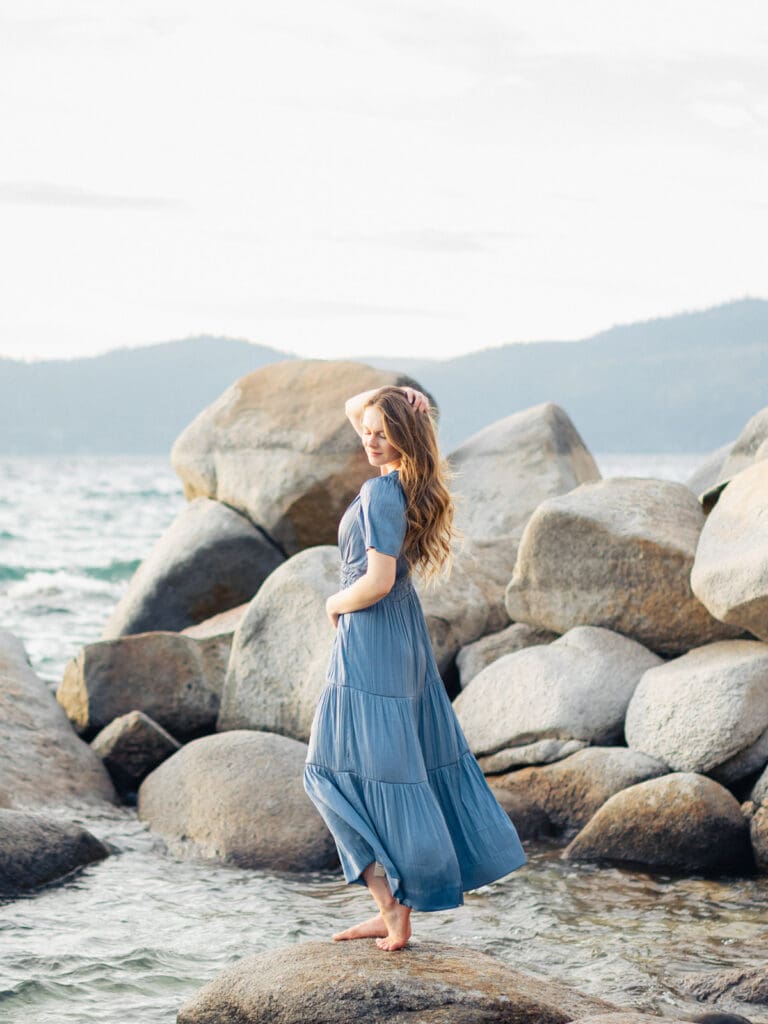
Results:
<point x="374" y="927"/>
<point x="398" y="921"/>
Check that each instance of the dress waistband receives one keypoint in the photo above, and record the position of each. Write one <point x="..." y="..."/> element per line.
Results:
<point x="401" y="588"/>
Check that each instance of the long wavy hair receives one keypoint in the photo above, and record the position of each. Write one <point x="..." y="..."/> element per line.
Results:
<point x="424" y="475"/>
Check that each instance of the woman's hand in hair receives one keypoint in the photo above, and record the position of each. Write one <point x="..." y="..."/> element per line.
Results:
<point x="417" y="399"/>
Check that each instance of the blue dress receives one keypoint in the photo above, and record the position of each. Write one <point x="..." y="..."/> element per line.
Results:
<point x="388" y="766"/>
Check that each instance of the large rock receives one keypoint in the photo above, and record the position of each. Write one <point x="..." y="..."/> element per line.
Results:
<point x="730" y="571"/>
<point x="281" y="648"/>
<point x="618" y="554"/>
<point x="278" y="447"/>
<point x="238" y="798"/>
<point x="706" y="711"/>
<point x="539" y="752"/>
<point x="42" y="762"/>
<point x="132" y="746"/>
<point x="577" y="687"/>
<point x="571" y="791"/>
<point x="176" y="680"/>
<point x="209" y="559"/>
<point x="728" y="988"/>
<point x="222" y="624"/>
<point x="35" y="849"/>
<point x="707" y="473"/>
<point x="472" y="659"/>
<point x="683" y="822"/>
<point x="750" y="446"/>
<point x="355" y="983"/>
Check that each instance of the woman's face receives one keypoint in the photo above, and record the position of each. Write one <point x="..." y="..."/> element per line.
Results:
<point x="378" y="449"/>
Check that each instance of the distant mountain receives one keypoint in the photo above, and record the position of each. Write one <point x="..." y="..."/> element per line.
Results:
<point x="680" y="383"/>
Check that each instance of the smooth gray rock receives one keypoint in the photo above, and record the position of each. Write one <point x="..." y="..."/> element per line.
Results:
<point x="577" y="687"/>
<point x="238" y="798"/>
<point x="281" y="648"/>
<point x="699" y="712"/>
<point x="723" y="988"/>
<point x="132" y="746"/>
<point x="730" y="571"/>
<point x="355" y="983"/>
<point x="175" y="679"/>
<point x="749" y="446"/>
<point x="476" y="656"/>
<point x="707" y="473"/>
<point x="618" y="554"/>
<point x="682" y="822"/>
<point x="277" y="446"/>
<point x="36" y="849"/>
<point x="541" y="752"/>
<point x="42" y="762"/>
<point x="210" y="559"/>
<point x="571" y="791"/>
<point x="222" y="624"/>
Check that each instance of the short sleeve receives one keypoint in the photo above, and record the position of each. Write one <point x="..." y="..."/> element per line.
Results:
<point x="384" y="522"/>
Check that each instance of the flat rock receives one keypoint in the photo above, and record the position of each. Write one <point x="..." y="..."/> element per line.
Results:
<point x="132" y="746"/>
<point x="705" y="711"/>
<point x="176" y="680"/>
<point x="682" y="822"/>
<point x="281" y="648"/>
<point x="749" y="446"/>
<point x="617" y="553"/>
<point x="572" y="791"/>
<point x="223" y="624"/>
<point x="749" y="985"/>
<point x="36" y="849"/>
<point x="541" y="752"/>
<point x="354" y="983"/>
<point x="210" y="559"/>
<point x="577" y="687"/>
<point x="238" y="798"/>
<point x="277" y="446"/>
<point x="730" y="571"/>
<point x="42" y="761"/>
<point x="474" y="657"/>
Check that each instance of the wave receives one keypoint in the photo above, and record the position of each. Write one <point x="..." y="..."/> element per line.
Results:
<point x="115" y="572"/>
<point x="13" y="572"/>
<point x="7" y="535"/>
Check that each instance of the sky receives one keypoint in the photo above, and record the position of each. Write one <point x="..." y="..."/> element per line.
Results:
<point x="339" y="179"/>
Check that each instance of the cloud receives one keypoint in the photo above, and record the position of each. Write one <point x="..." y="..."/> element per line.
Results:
<point x="434" y="239"/>
<point x="43" y="193"/>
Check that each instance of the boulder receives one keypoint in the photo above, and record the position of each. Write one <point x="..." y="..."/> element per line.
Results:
<point x="132" y="746"/>
<point x="42" y="762"/>
<point x="354" y="983"/>
<point x="238" y="798"/>
<point x="36" y="849"/>
<point x="571" y="791"/>
<point x="758" y="832"/>
<point x="705" y="712"/>
<point x="759" y="792"/>
<point x="681" y="822"/>
<point x="277" y="446"/>
<point x="530" y="820"/>
<point x="281" y="649"/>
<point x="724" y="988"/>
<point x="749" y="447"/>
<point x="223" y="624"/>
<point x="730" y="571"/>
<point x="174" y="679"/>
<point x="474" y="657"/>
<point x="707" y="473"/>
<point x="503" y="472"/>
<point x="210" y="559"/>
<point x="540" y="752"/>
<point x="577" y="687"/>
<point x="617" y="554"/>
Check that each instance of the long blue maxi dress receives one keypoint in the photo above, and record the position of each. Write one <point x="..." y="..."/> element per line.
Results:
<point x="388" y="765"/>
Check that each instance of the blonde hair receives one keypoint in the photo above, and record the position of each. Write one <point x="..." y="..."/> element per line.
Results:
<point x="424" y="475"/>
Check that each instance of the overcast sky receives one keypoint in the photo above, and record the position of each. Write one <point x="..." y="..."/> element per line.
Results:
<point x="360" y="177"/>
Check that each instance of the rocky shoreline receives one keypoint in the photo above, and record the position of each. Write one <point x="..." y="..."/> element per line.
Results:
<point x="605" y="643"/>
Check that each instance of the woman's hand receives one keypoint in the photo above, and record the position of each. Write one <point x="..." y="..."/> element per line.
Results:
<point x="329" y="610"/>
<point x="418" y="400"/>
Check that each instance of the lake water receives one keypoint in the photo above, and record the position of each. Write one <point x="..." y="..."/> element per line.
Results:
<point x="127" y="940"/>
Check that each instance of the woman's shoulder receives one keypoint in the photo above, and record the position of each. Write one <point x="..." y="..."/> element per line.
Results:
<point x="386" y="488"/>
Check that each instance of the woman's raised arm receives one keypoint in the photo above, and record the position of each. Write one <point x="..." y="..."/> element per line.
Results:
<point x="354" y="407"/>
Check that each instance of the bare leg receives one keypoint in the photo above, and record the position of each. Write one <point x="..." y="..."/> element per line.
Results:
<point x="391" y="926"/>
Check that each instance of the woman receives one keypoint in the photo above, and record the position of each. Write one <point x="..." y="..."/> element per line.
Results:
<point x="388" y="766"/>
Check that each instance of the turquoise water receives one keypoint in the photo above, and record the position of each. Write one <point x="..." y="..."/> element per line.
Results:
<point x="127" y="940"/>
